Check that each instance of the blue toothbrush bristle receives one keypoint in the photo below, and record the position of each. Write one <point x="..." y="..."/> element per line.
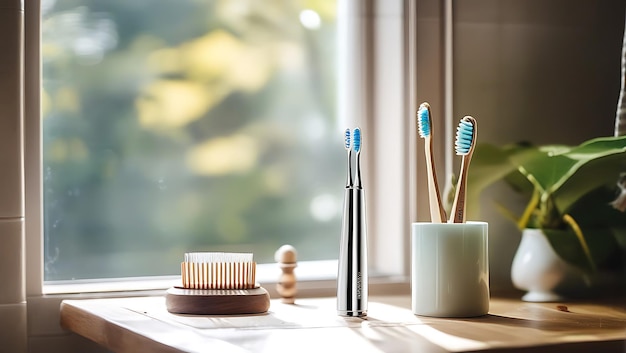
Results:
<point x="347" y="139"/>
<point x="464" y="137"/>
<point x="423" y="121"/>
<point x="356" y="144"/>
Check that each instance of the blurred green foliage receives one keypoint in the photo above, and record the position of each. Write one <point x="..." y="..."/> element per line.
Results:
<point x="176" y="126"/>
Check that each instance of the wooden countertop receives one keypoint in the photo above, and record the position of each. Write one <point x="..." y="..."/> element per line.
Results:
<point x="311" y="325"/>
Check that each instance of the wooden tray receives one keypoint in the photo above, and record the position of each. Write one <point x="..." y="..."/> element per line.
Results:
<point x="217" y="301"/>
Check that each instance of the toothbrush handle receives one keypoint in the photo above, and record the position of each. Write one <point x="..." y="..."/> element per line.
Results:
<point x="360" y="250"/>
<point x="352" y="279"/>
<point x="457" y="214"/>
<point x="345" y="255"/>
<point x="437" y="213"/>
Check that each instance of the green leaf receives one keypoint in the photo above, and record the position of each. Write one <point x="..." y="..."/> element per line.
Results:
<point x="543" y="165"/>
<point x="602" y="214"/>
<point x="619" y="233"/>
<point x="489" y="164"/>
<point x="569" y="173"/>
<point x="588" y="177"/>
<point x="601" y="242"/>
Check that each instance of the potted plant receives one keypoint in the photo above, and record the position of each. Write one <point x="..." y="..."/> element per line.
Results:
<point x="574" y="224"/>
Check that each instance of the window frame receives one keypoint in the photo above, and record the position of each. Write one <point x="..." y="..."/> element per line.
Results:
<point x="375" y="60"/>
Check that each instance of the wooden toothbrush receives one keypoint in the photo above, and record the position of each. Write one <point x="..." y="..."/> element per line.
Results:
<point x="424" y="128"/>
<point x="464" y="146"/>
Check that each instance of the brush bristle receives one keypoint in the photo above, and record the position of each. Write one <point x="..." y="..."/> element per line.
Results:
<point x="423" y="120"/>
<point x="347" y="139"/>
<point x="207" y="257"/>
<point x="356" y="144"/>
<point x="465" y="136"/>
<point x="218" y="270"/>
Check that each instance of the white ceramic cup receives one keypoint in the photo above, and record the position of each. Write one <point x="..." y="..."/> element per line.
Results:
<point x="449" y="269"/>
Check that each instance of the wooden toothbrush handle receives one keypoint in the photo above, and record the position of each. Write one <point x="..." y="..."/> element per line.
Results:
<point x="458" y="206"/>
<point x="437" y="213"/>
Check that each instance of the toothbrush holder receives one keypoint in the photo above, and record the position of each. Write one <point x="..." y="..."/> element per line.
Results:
<point x="449" y="269"/>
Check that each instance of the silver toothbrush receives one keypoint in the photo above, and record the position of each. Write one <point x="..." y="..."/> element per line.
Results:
<point x="352" y="278"/>
<point x="344" y="301"/>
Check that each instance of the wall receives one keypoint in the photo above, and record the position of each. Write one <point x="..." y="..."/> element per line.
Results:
<point x="12" y="290"/>
<point x="535" y="70"/>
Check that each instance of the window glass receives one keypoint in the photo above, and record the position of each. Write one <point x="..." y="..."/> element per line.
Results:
<point x="172" y="126"/>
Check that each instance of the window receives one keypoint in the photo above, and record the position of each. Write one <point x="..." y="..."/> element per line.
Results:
<point x="177" y="126"/>
<point x="385" y="157"/>
<point x="372" y="93"/>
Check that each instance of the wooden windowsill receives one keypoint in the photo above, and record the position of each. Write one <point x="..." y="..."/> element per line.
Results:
<point x="142" y="324"/>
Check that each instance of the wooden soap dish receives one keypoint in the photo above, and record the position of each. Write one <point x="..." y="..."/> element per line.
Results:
<point x="180" y="300"/>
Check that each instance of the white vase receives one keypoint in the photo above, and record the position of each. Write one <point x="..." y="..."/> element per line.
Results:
<point x="537" y="269"/>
